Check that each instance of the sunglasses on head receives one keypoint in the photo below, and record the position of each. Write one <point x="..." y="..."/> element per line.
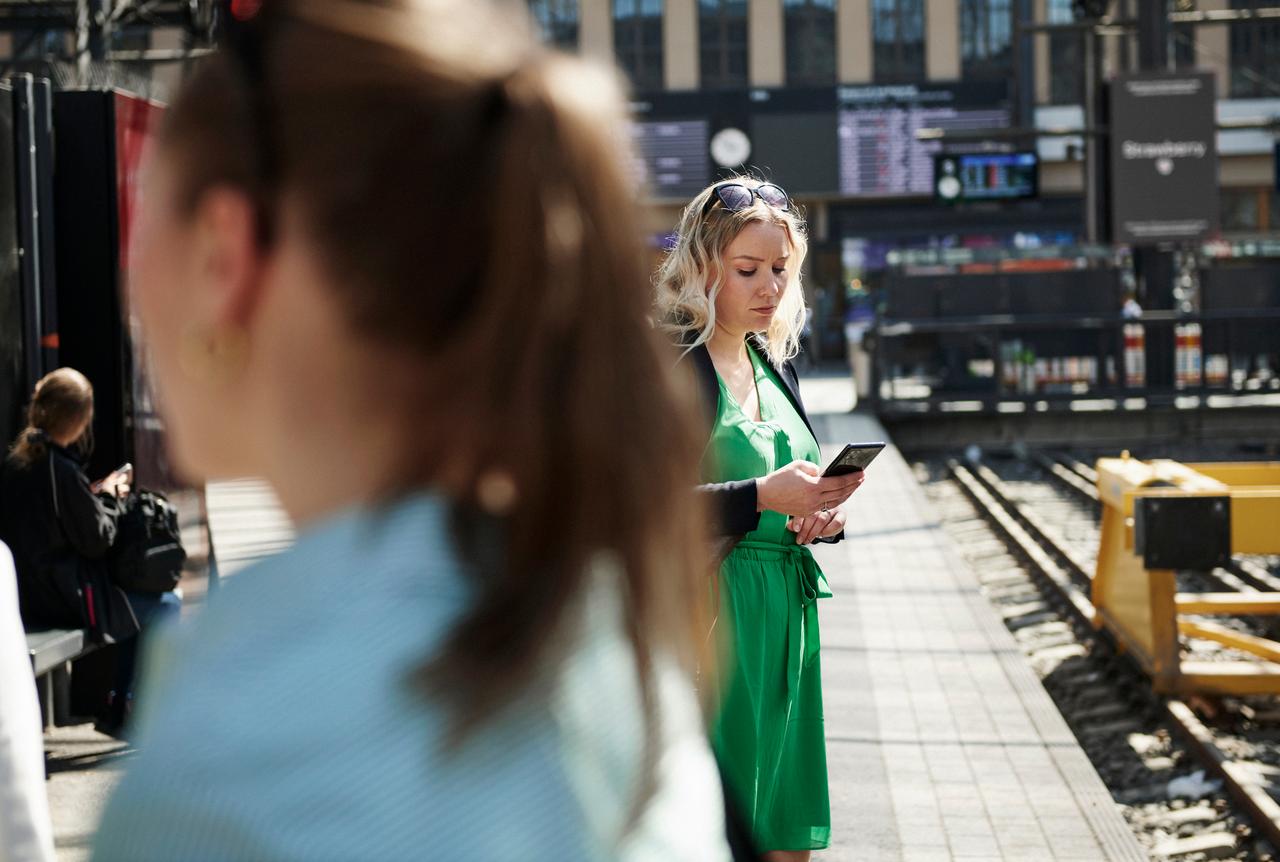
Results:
<point x="735" y="197"/>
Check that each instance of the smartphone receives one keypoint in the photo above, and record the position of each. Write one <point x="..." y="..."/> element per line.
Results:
<point x="126" y="467"/>
<point x="854" y="457"/>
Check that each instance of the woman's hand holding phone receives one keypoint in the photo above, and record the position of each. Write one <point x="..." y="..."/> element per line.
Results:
<point x="799" y="489"/>
<point x="117" y="482"/>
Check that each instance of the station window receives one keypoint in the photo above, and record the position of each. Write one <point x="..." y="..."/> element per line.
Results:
<point x="897" y="32"/>
<point x="558" y="20"/>
<point x="637" y="41"/>
<point x="131" y="38"/>
<point x="722" y="38"/>
<point x="1184" y="46"/>
<point x="1066" y="58"/>
<point x="811" y="42"/>
<point x="1255" y="55"/>
<point x="986" y="38"/>
<point x="1241" y="210"/>
<point x="40" y="45"/>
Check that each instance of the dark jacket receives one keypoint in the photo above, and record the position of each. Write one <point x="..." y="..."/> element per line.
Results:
<point x="735" y="502"/>
<point x="80" y="534"/>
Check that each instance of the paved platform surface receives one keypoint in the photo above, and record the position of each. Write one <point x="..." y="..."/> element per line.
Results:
<point x="941" y="742"/>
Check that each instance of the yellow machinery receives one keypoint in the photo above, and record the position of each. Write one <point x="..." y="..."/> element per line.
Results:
<point x="1162" y="516"/>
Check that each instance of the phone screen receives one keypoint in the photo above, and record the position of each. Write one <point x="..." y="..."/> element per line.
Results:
<point x="854" y="457"/>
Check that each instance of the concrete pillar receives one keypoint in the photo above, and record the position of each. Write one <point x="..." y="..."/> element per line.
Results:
<point x="1213" y="47"/>
<point x="766" y="41"/>
<point x="166" y="78"/>
<point x="1040" y="9"/>
<point x="1111" y="56"/>
<point x="1062" y="178"/>
<point x="855" y="53"/>
<point x="595" y="30"/>
<point x="942" y="40"/>
<point x="680" y="44"/>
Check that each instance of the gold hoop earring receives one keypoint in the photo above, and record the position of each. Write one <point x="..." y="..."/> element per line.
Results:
<point x="208" y="354"/>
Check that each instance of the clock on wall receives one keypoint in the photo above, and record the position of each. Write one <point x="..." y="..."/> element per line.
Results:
<point x="730" y="147"/>
<point x="946" y="182"/>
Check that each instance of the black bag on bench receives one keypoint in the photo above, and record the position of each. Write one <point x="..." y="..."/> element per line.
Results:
<point x="147" y="555"/>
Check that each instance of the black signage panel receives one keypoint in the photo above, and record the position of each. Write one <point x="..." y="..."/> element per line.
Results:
<point x="797" y="151"/>
<point x="671" y="157"/>
<point x="1164" y="158"/>
<point x="880" y="155"/>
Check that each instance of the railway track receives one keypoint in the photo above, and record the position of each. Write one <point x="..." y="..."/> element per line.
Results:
<point x="1043" y="511"/>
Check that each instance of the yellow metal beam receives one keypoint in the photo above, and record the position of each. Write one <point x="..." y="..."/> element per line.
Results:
<point x="1237" y="474"/>
<point x="1229" y="677"/>
<point x="1261" y="647"/>
<point x="1120" y="478"/>
<point x="1255" y="520"/>
<point x="1228" y="603"/>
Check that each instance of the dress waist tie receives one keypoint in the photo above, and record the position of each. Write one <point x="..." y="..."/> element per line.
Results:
<point x="802" y="640"/>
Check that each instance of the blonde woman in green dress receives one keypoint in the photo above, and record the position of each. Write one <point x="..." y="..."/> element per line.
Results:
<point x="729" y="292"/>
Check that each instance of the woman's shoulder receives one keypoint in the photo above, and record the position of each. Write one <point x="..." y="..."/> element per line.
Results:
<point x="15" y="463"/>
<point x="306" y="660"/>
<point x="18" y="476"/>
<point x="65" y="463"/>
<point x="279" y="682"/>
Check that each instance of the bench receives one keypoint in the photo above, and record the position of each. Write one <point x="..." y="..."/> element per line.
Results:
<point x="51" y="651"/>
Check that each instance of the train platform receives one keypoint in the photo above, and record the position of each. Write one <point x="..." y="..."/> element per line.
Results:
<point x="941" y="742"/>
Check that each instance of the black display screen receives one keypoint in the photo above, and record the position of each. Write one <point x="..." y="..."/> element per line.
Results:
<point x="880" y="155"/>
<point x="797" y="151"/>
<point x="671" y="157"/>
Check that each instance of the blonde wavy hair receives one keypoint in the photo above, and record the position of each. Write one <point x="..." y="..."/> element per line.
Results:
<point x="693" y="272"/>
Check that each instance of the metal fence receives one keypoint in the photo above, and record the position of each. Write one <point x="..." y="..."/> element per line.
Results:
<point x="1018" y="362"/>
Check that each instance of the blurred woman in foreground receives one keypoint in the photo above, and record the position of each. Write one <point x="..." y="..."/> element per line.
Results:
<point x="410" y="294"/>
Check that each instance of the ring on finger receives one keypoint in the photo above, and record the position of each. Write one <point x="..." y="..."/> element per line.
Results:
<point x="824" y="507"/>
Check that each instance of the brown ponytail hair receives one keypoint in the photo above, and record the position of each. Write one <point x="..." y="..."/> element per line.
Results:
<point x="468" y="193"/>
<point x="62" y="399"/>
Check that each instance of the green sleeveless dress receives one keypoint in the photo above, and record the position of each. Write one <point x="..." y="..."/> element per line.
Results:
<point x="769" y="735"/>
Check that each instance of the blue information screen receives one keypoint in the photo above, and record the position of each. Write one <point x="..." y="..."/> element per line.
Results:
<point x="985" y="176"/>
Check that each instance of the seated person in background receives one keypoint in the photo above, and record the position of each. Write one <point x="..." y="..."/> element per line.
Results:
<point x="55" y="520"/>
<point x="49" y="513"/>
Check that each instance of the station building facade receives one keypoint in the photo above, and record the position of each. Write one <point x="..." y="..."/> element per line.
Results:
<point x="825" y="97"/>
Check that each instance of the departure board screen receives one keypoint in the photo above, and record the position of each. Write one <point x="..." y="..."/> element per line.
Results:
<point x="985" y="176"/>
<point x="879" y="153"/>
<point x="671" y="157"/>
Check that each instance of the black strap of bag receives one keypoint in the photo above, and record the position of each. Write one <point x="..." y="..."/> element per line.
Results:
<point x="104" y="607"/>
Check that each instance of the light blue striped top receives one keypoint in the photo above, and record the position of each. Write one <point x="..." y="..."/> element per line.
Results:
<point x="280" y="725"/>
